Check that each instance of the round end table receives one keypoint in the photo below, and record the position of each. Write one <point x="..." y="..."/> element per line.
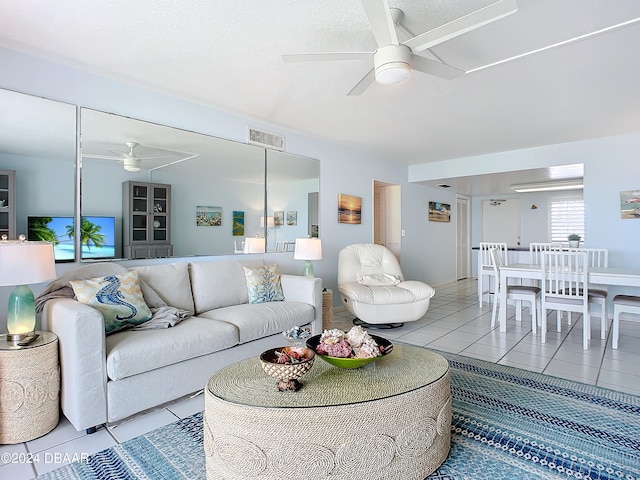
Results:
<point x="29" y="388"/>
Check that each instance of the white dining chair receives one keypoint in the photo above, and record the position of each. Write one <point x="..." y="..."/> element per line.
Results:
<point x="597" y="257"/>
<point x="519" y="293"/>
<point x="565" y="288"/>
<point x="536" y="249"/>
<point x="623" y="304"/>
<point x="485" y="267"/>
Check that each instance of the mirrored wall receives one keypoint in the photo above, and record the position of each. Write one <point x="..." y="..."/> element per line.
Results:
<point x="215" y="190"/>
<point x="38" y="143"/>
<point x="220" y="191"/>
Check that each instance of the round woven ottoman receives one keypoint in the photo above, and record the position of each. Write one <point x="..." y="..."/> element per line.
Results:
<point x="388" y="420"/>
<point x="29" y="389"/>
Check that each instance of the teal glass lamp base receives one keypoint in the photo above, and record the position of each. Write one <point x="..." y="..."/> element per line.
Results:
<point x="21" y="316"/>
<point x="307" y="270"/>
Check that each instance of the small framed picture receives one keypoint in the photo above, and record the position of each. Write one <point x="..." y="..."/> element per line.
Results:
<point x="278" y="218"/>
<point x="439" y="212"/>
<point x="292" y="218"/>
<point x="208" y="216"/>
<point x="349" y="209"/>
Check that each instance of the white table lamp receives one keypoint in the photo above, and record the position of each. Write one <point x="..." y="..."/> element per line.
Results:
<point x="23" y="263"/>
<point x="308" y="249"/>
<point x="254" y="245"/>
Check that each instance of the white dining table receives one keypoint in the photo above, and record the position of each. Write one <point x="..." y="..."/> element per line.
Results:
<point x="622" y="276"/>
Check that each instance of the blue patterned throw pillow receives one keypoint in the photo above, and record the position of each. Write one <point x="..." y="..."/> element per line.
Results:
<point x="117" y="297"/>
<point x="263" y="284"/>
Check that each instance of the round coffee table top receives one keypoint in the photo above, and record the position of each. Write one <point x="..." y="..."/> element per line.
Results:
<point x="406" y="368"/>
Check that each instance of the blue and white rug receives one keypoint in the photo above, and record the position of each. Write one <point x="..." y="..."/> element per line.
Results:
<point x="507" y="424"/>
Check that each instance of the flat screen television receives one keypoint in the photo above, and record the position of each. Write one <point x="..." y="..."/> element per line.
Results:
<point x="98" y="236"/>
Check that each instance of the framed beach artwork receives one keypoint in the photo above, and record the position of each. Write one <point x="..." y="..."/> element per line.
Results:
<point x="237" y="227"/>
<point x="208" y="216"/>
<point x="292" y="218"/>
<point x="439" y="212"/>
<point x="630" y="204"/>
<point x="278" y="218"/>
<point x="349" y="209"/>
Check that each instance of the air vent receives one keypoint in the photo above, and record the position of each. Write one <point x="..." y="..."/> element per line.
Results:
<point x="444" y="185"/>
<point x="265" y="139"/>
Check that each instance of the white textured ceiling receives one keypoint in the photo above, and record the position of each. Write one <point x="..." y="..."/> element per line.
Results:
<point x="228" y="54"/>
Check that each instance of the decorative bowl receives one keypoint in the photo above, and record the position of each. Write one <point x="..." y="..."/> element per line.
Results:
<point x="339" y="362"/>
<point x="287" y="371"/>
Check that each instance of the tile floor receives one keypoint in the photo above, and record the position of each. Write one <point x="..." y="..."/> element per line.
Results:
<point x="454" y="323"/>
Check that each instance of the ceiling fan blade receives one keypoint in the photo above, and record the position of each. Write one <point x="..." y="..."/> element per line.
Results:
<point x="363" y="84"/>
<point x="435" y="68"/>
<point x="326" y="56"/>
<point x="379" y="15"/>
<point x="102" y="157"/>
<point x="153" y="158"/>
<point x="462" y="25"/>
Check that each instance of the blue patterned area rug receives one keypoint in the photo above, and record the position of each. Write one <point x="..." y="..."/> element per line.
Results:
<point x="507" y="424"/>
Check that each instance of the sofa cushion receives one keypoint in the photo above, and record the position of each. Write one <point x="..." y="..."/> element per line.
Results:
<point x="171" y="282"/>
<point x="219" y="284"/>
<point x="133" y="352"/>
<point x="263" y="284"/>
<point x="117" y="297"/>
<point x="255" y="321"/>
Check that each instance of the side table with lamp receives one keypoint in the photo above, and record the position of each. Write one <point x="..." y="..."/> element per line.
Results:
<point x="29" y="370"/>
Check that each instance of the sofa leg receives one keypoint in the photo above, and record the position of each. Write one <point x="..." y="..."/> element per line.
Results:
<point x="385" y="326"/>
<point x="91" y="430"/>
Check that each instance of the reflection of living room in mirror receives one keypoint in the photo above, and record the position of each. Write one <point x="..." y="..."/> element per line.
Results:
<point x="97" y="236"/>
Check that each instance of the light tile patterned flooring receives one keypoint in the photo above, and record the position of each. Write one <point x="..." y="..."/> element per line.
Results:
<point x="454" y="323"/>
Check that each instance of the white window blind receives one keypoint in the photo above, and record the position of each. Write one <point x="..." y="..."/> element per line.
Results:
<point x="566" y="216"/>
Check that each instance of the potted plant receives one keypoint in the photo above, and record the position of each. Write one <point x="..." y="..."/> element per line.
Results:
<point x="574" y="240"/>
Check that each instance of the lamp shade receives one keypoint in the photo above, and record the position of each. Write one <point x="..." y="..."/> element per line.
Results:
<point x="308" y="249"/>
<point x="254" y="245"/>
<point x="270" y="222"/>
<point x="23" y="263"/>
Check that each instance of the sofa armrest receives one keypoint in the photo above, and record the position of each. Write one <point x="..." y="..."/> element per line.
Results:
<point x="81" y="337"/>
<point x="307" y="290"/>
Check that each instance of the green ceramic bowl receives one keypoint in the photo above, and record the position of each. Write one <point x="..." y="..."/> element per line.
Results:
<point x="387" y="346"/>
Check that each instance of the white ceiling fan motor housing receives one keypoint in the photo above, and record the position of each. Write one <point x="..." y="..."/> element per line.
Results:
<point x="392" y="64"/>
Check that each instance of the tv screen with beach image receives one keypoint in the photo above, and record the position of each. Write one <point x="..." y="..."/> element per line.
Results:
<point x="97" y="236"/>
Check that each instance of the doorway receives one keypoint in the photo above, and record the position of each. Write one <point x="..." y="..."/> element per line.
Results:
<point x="387" y="224"/>
<point x="463" y="238"/>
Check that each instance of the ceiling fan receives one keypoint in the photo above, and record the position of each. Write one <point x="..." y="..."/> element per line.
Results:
<point x="131" y="162"/>
<point x="393" y="61"/>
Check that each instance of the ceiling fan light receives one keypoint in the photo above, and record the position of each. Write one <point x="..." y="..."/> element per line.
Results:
<point x="132" y="164"/>
<point x="393" y="73"/>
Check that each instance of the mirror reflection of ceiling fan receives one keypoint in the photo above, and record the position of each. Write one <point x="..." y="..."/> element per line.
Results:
<point x="133" y="163"/>
<point x="393" y="61"/>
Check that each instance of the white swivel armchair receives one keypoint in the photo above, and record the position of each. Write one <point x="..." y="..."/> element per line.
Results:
<point x="373" y="288"/>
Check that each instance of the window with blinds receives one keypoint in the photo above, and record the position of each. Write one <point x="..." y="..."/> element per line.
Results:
<point x="566" y="216"/>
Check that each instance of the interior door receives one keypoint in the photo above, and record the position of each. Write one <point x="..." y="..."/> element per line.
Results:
<point x="463" y="241"/>
<point x="386" y="216"/>
<point x="501" y="221"/>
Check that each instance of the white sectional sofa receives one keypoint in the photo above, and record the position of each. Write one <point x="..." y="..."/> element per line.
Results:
<point x="108" y="378"/>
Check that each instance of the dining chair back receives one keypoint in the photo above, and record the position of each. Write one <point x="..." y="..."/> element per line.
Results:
<point x="519" y="293"/>
<point x="565" y="288"/>
<point x="485" y="267"/>
<point x="536" y="249"/>
<point x="599" y="258"/>
<point x="623" y="304"/>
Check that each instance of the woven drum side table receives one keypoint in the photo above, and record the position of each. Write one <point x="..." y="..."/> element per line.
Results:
<point x="388" y="420"/>
<point x="327" y="309"/>
<point x="29" y="388"/>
